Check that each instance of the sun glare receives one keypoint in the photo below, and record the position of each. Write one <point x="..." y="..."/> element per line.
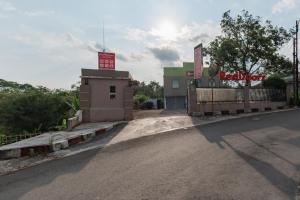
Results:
<point x="167" y="30"/>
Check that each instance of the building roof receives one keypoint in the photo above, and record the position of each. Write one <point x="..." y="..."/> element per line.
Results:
<point x="96" y="73"/>
<point x="181" y="71"/>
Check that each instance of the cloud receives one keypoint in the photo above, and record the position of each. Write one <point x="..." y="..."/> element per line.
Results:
<point x="287" y="50"/>
<point x="282" y="5"/>
<point x="136" y="57"/>
<point x="121" y="57"/>
<point x="200" y="37"/>
<point x="144" y="54"/>
<point x="194" y="32"/>
<point x="7" y="6"/>
<point x="136" y="34"/>
<point x="99" y="46"/>
<point x="171" y="51"/>
<point x="91" y="46"/>
<point x="165" y="54"/>
<point x="132" y="57"/>
<point x="96" y="47"/>
<point x="39" y="13"/>
<point x="54" y="42"/>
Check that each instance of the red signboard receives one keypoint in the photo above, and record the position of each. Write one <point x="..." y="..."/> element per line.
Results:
<point x="198" y="62"/>
<point x="238" y="76"/>
<point x="106" y="61"/>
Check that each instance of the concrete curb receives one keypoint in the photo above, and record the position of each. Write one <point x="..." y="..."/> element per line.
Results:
<point x="55" y="145"/>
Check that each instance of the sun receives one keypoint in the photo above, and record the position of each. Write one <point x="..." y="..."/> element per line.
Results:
<point x="167" y="30"/>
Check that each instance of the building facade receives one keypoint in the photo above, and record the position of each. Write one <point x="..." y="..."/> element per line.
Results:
<point x="106" y="95"/>
<point x="177" y="80"/>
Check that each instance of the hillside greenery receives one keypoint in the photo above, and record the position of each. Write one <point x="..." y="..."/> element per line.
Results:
<point x="26" y="109"/>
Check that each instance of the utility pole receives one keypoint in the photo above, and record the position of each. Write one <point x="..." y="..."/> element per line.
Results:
<point x="297" y="62"/>
<point x="294" y="71"/>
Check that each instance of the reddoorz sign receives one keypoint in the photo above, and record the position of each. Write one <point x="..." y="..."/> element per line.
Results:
<point x="238" y="76"/>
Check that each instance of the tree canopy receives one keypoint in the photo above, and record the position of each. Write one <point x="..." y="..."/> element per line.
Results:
<point x="151" y="90"/>
<point x="250" y="45"/>
<point x="274" y="82"/>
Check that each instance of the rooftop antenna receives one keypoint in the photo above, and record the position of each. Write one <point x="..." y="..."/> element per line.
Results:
<point x="103" y="37"/>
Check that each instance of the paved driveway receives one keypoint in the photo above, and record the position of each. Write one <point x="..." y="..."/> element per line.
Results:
<point x="248" y="158"/>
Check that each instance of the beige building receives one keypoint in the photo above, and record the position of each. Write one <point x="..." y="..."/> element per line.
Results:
<point x="106" y="95"/>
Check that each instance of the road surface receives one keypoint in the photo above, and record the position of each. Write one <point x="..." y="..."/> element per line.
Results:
<point x="247" y="158"/>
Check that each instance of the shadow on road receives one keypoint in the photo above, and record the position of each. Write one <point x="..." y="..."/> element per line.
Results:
<point x="101" y="139"/>
<point x="28" y="179"/>
<point x="215" y="133"/>
<point x="25" y="180"/>
<point x="284" y="183"/>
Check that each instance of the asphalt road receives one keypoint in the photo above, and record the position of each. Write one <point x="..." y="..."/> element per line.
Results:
<point x="248" y="158"/>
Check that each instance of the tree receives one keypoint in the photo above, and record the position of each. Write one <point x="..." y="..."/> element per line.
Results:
<point x="274" y="82"/>
<point x="139" y="99"/>
<point x="151" y="90"/>
<point x="251" y="46"/>
<point x="32" y="112"/>
<point x="25" y="108"/>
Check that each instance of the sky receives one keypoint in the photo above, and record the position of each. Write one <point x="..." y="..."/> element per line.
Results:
<point x="47" y="42"/>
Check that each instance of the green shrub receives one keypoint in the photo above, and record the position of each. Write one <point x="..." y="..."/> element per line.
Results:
<point x="34" y="111"/>
<point x="139" y="99"/>
<point x="274" y="82"/>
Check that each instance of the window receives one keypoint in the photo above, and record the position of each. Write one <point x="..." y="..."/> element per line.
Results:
<point x="86" y="81"/>
<point x="175" y="84"/>
<point x="112" y="92"/>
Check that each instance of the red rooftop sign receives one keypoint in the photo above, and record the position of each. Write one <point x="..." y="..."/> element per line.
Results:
<point x="106" y="61"/>
<point x="238" y="76"/>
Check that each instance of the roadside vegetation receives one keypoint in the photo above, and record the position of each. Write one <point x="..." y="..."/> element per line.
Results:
<point x="274" y="82"/>
<point x="28" y="109"/>
<point x="144" y="92"/>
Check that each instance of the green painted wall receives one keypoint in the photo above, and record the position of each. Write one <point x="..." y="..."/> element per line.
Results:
<point x="181" y="71"/>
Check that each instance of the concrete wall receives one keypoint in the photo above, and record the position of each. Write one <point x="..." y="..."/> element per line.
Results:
<point x="128" y="103"/>
<point x="75" y="121"/>
<point x="202" y="108"/>
<point x="183" y="84"/>
<point x="95" y="101"/>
